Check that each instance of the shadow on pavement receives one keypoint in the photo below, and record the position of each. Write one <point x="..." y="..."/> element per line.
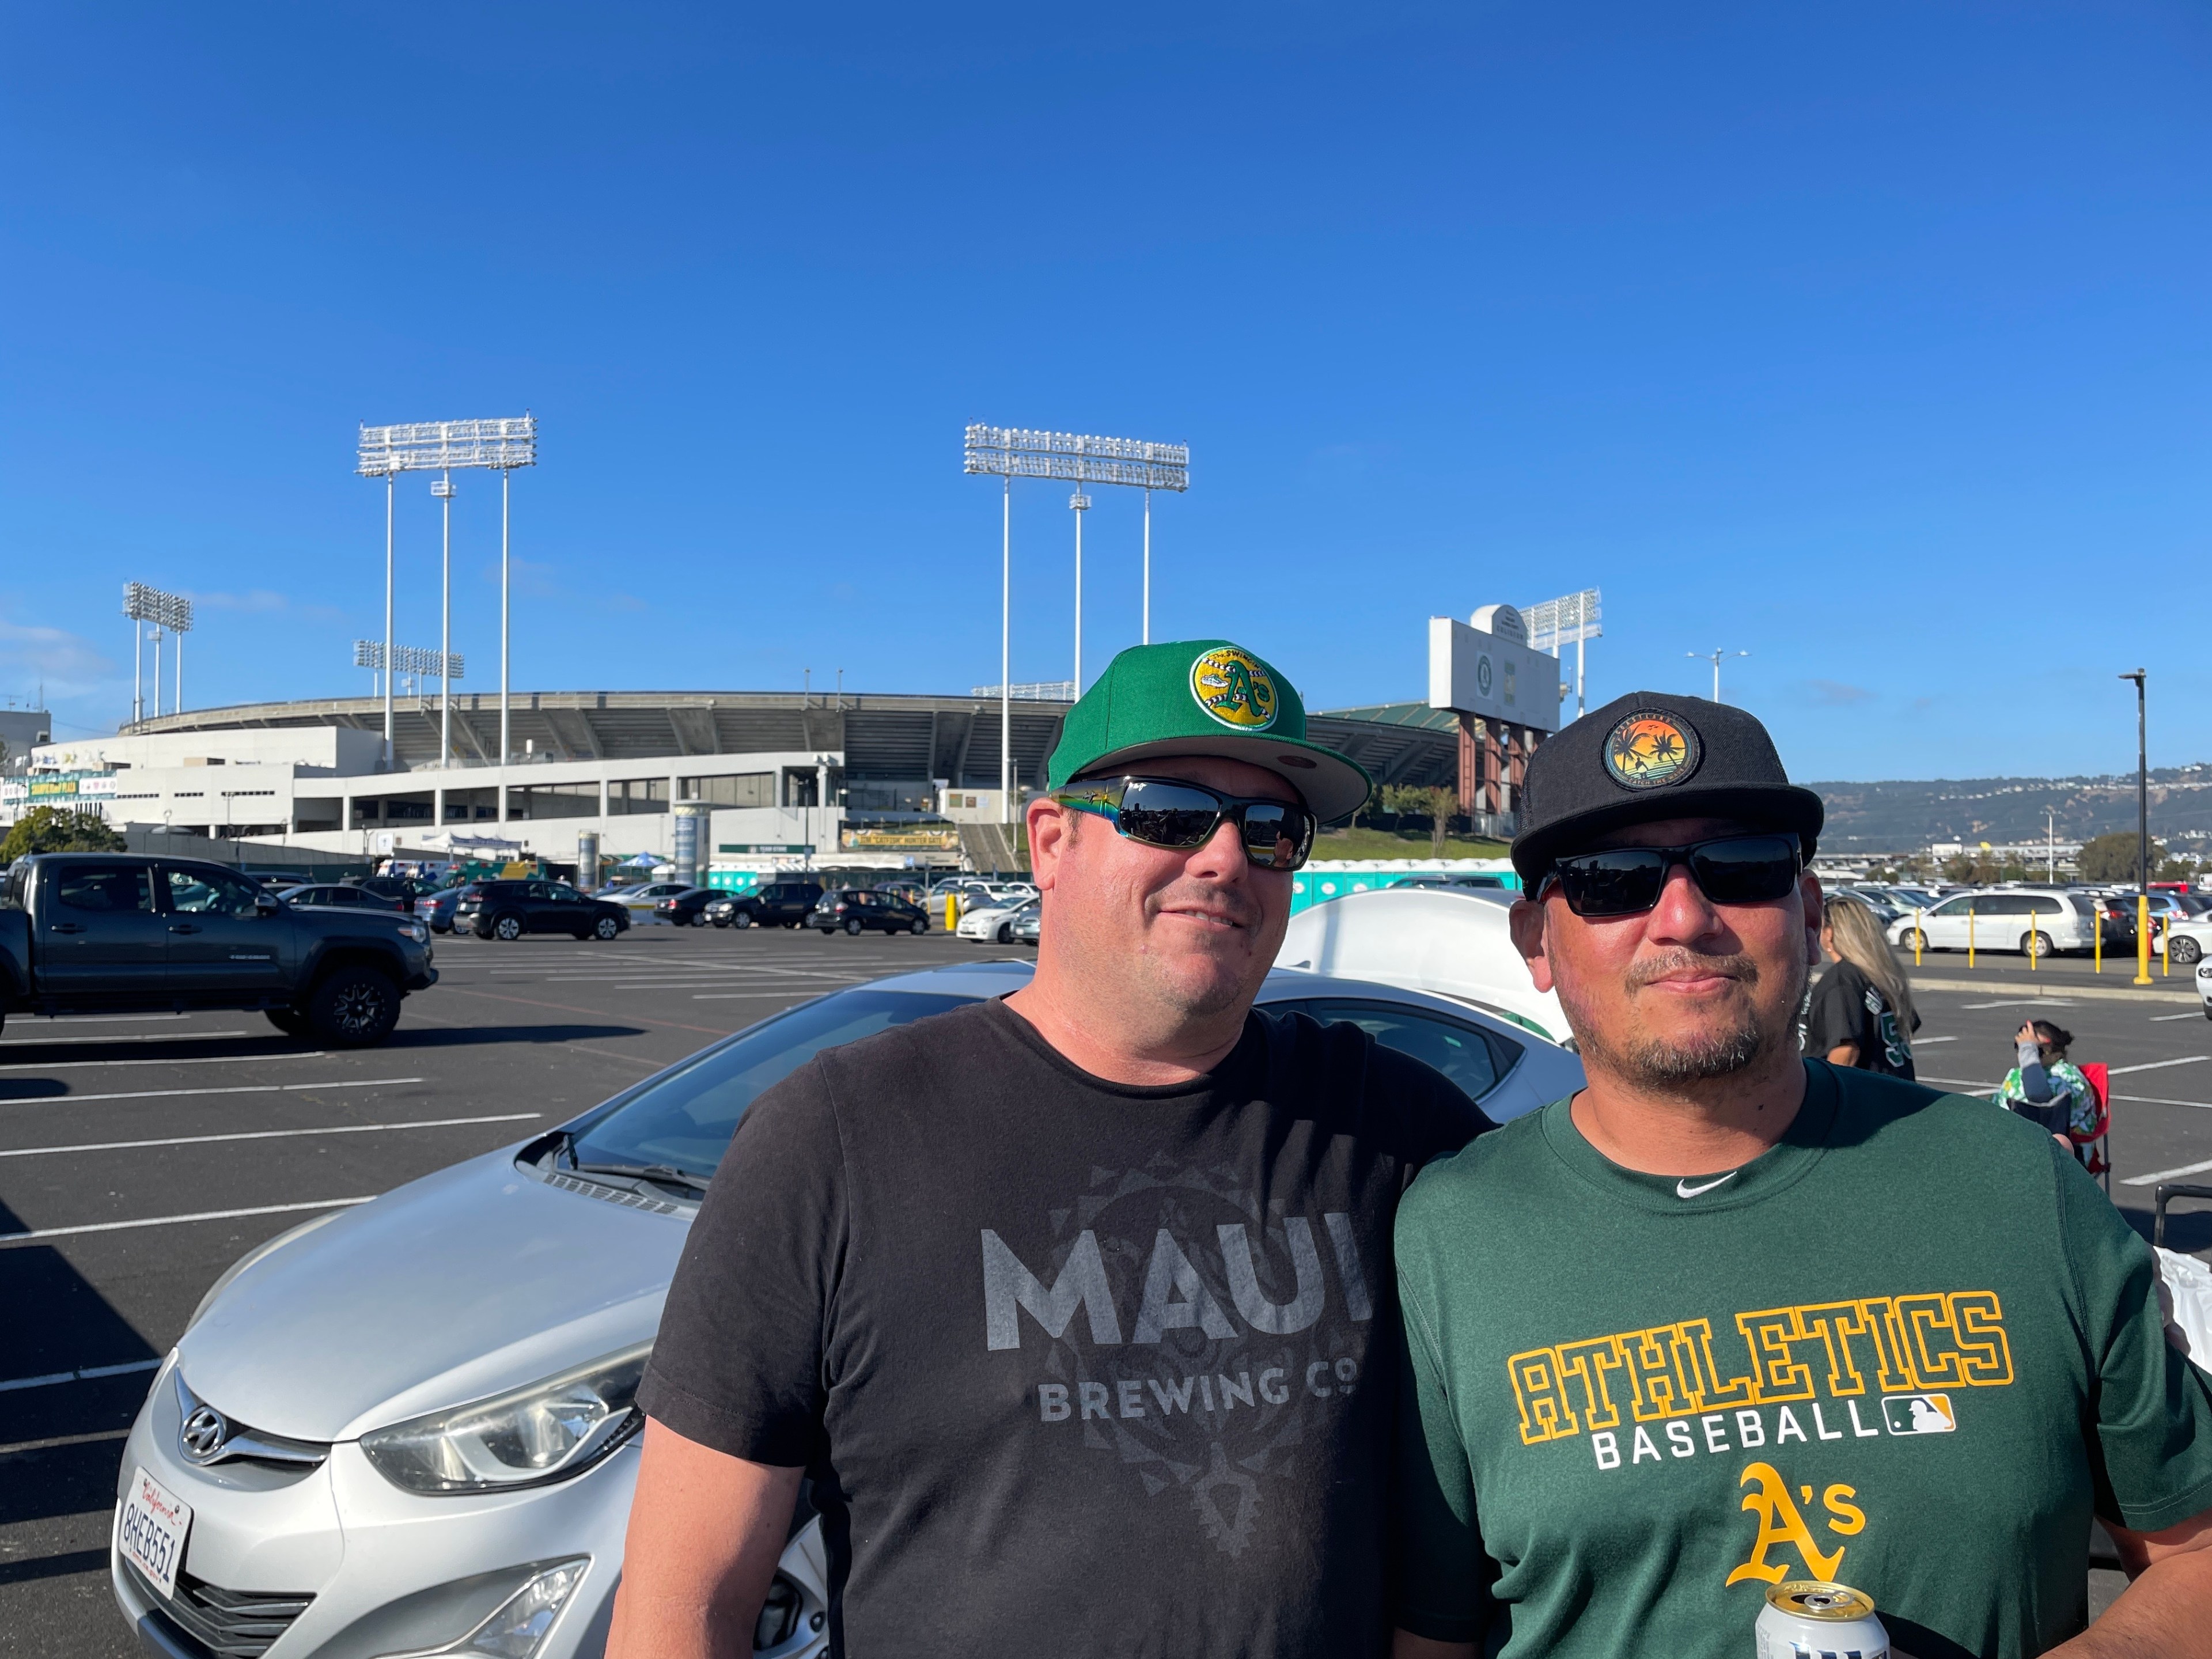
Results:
<point x="52" y="1566"/>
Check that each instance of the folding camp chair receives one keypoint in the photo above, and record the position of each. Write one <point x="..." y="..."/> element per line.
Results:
<point x="2097" y="1140"/>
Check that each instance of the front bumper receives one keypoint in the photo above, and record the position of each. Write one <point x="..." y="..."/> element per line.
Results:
<point x="381" y="1571"/>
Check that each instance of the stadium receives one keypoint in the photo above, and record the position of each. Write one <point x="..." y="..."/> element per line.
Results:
<point x="888" y="779"/>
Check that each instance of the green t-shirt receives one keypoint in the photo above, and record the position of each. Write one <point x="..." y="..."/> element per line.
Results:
<point x="1910" y="1348"/>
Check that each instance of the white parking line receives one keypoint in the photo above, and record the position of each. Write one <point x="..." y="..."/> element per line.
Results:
<point x="2160" y="1019"/>
<point x="82" y="1374"/>
<point x="9" y="1239"/>
<point x="267" y="1134"/>
<point x="2021" y="1002"/>
<point x="1921" y="1042"/>
<point x="2156" y="1065"/>
<point x="189" y="1059"/>
<point x="740" y="996"/>
<point x="178" y="1094"/>
<point x="109" y="1019"/>
<point x="128" y="1036"/>
<point x="2153" y="1179"/>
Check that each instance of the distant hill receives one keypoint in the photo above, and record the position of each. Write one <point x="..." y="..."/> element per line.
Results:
<point x="1903" y="815"/>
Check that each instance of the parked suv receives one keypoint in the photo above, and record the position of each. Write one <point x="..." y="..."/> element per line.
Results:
<point x="858" y="909"/>
<point x="508" y="909"/>
<point x="2052" y="918"/>
<point x="779" y="904"/>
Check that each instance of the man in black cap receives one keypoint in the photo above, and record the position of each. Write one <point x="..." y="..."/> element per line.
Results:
<point x="1732" y="1317"/>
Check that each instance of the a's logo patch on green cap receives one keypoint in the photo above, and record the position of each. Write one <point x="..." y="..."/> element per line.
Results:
<point x="1236" y="689"/>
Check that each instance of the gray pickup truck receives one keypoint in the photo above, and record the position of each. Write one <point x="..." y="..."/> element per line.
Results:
<point x="92" y="933"/>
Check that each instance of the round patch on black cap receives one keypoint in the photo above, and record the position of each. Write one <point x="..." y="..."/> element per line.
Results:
<point x="1650" y="750"/>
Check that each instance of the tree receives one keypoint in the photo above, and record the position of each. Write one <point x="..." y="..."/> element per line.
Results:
<point x="58" y="830"/>
<point x="2112" y="858"/>
<point x="1433" y="802"/>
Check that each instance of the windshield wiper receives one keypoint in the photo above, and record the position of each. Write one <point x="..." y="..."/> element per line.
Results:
<point x="666" y="1174"/>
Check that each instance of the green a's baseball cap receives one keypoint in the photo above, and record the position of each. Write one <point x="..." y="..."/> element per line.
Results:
<point x="1203" y="697"/>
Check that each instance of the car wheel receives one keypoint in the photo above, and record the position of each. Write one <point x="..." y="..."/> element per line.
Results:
<point x="2186" y="950"/>
<point x="1913" y="940"/>
<point x="2037" y="944"/>
<point x="605" y="927"/>
<point x="741" y="918"/>
<point x="354" y="1008"/>
<point x="1006" y="933"/>
<point x="921" y="925"/>
<point x="699" y="919"/>
<point x="853" y="926"/>
<point x="290" y="1021"/>
<point x="508" y="928"/>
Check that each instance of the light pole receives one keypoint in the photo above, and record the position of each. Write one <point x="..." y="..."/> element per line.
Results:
<point x="169" y="612"/>
<point x="1554" y="623"/>
<point x="1716" y="656"/>
<point x="1080" y="504"/>
<point x="2143" y="832"/>
<point x="1012" y="452"/>
<point x="500" y="445"/>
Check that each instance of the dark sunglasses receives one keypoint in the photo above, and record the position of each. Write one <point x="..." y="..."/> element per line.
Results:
<point x="1277" y="834"/>
<point x="1623" y="881"/>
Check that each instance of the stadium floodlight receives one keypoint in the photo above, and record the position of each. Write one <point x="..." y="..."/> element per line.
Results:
<point x="500" y="446"/>
<point x="1012" y="452"/>
<point x="169" y="612"/>
<point x="407" y="659"/>
<point x="1573" y="619"/>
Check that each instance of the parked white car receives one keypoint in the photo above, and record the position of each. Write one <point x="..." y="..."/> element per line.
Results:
<point x="410" y="1427"/>
<point x="993" y="924"/>
<point x="2005" y="919"/>
<point x="2191" y="941"/>
<point x="640" y="901"/>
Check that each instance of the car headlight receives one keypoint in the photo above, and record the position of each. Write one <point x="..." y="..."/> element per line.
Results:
<point x="544" y="1431"/>
<point x="417" y="931"/>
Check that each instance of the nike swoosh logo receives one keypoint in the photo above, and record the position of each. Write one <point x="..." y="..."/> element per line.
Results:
<point x="1683" y="1189"/>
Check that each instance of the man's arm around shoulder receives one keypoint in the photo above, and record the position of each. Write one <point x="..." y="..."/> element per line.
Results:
<point x="706" y="1530"/>
<point x="2166" y="1610"/>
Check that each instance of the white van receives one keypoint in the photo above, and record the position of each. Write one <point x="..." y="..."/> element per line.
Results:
<point x="2005" y="919"/>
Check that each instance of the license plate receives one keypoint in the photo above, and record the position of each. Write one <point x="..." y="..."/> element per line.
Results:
<point x="151" y="1533"/>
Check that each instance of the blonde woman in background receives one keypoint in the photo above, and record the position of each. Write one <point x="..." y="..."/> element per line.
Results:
<point x="1862" y="1013"/>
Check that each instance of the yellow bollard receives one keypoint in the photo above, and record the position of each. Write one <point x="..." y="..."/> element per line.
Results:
<point x="1916" y="936"/>
<point x="951" y="911"/>
<point x="2142" y="938"/>
<point x="1970" y="936"/>
<point x="2165" y="949"/>
<point x="2033" y="938"/>
<point x="2099" y="932"/>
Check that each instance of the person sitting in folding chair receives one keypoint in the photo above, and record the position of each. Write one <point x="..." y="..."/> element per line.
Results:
<point x="2050" y="1089"/>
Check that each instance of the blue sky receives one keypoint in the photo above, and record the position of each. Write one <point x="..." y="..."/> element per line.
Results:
<point x="1872" y="341"/>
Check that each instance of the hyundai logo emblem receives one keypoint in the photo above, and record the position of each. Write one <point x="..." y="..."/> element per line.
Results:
<point x="204" y="1434"/>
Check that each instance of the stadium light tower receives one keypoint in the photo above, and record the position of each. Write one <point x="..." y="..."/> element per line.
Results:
<point x="442" y="446"/>
<point x="1011" y="453"/>
<point x="172" y="612"/>
<point x="1571" y="619"/>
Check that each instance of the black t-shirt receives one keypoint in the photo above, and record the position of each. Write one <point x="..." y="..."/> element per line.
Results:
<point x="1848" y="1007"/>
<point x="1075" y="1367"/>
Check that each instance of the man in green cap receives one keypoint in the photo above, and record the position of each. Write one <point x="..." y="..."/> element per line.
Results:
<point x="1076" y="1307"/>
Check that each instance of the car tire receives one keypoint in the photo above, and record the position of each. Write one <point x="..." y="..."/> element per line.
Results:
<point x="2187" y="951"/>
<point x="741" y="918"/>
<point x="1913" y="939"/>
<point x="699" y="919"/>
<point x="508" y="927"/>
<point x="290" y="1021"/>
<point x="605" y="928"/>
<point x="853" y="926"/>
<point x="2037" y="942"/>
<point x="920" y="928"/>
<point x="1006" y="933"/>
<point x="354" y="1008"/>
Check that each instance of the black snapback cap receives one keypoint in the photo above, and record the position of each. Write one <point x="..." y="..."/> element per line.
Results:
<point x="1650" y="756"/>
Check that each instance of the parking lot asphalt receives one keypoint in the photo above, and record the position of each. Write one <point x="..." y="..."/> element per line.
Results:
<point x="140" y="1155"/>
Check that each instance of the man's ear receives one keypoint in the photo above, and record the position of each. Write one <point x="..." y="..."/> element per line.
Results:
<point x="1526" y="919"/>
<point x="1051" y="827"/>
<point x="1809" y="890"/>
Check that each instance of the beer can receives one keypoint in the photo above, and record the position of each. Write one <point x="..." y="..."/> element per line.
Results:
<point x="1805" y="1619"/>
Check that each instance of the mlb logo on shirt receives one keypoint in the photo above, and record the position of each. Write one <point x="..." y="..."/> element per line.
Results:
<point x="1918" y="1414"/>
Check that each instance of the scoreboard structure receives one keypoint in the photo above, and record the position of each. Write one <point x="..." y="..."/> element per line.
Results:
<point x="1506" y="694"/>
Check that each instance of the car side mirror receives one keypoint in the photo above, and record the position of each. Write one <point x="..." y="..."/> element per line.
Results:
<point x="267" y="904"/>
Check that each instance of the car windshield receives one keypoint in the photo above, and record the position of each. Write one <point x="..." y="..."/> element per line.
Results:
<point x="686" y="1120"/>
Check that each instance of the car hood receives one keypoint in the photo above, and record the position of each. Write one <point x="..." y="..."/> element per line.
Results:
<point x="475" y="1280"/>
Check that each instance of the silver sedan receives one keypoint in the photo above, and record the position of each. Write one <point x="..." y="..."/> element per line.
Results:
<point x="408" y="1428"/>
